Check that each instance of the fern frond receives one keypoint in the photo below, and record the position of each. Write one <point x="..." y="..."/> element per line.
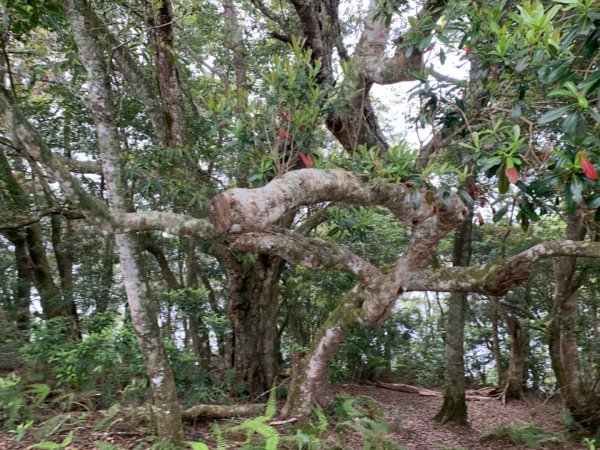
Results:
<point x="218" y="432"/>
<point x="271" y="408"/>
<point x="40" y="392"/>
<point x="322" y="424"/>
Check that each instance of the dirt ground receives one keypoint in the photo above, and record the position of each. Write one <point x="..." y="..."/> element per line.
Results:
<point x="410" y="417"/>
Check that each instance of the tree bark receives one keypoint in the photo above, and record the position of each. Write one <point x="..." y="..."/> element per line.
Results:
<point x="64" y="263"/>
<point x="560" y="330"/>
<point x="160" y="21"/>
<point x="496" y="350"/>
<point x="516" y="367"/>
<point x="22" y="296"/>
<point x="454" y="408"/>
<point x="143" y="313"/>
<point x="252" y="309"/>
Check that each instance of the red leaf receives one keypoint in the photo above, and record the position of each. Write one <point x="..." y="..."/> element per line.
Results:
<point x="468" y="51"/>
<point x="588" y="168"/>
<point x="284" y="133"/>
<point x="309" y="160"/>
<point x="512" y="175"/>
<point x="428" y="49"/>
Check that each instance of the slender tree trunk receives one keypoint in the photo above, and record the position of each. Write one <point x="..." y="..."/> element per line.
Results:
<point x="50" y="297"/>
<point x="560" y="331"/>
<point x="236" y="45"/>
<point x="516" y="366"/>
<point x="310" y="370"/>
<point x="496" y="350"/>
<point x="142" y="310"/>
<point x="197" y="329"/>
<point x="24" y="281"/>
<point x="454" y="408"/>
<point x="106" y="277"/>
<point x="161" y="23"/>
<point x="64" y="262"/>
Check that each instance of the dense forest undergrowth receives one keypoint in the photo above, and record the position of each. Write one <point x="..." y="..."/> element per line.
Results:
<point x="357" y="417"/>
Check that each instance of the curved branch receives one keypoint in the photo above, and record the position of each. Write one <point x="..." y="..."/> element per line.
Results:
<point x="243" y="210"/>
<point x="312" y="253"/>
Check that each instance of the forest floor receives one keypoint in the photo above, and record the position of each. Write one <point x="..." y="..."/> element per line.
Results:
<point x="410" y="417"/>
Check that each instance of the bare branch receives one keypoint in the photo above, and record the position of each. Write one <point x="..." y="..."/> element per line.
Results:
<point x="23" y="220"/>
<point x="279" y="20"/>
<point x="312" y="253"/>
<point x="498" y="277"/>
<point x="242" y="210"/>
<point x="171" y="223"/>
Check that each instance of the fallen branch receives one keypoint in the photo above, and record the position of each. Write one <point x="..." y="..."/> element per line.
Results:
<point x="222" y="411"/>
<point x="470" y="395"/>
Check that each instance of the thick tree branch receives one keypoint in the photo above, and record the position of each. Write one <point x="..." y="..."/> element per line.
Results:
<point x="312" y="253"/>
<point x="171" y="223"/>
<point x="497" y="277"/>
<point x="242" y="210"/>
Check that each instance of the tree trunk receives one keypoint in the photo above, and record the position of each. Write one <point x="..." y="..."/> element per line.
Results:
<point x="496" y="351"/>
<point x="454" y="408"/>
<point x="310" y="370"/>
<point x="142" y="310"/>
<point x="252" y="310"/>
<point x="64" y="263"/>
<point x="560" y="331"/>
<point x="50" y="297"/>
<point x="516" y="366"/>
<point x="22" y="297"/>
<point x="161" y="27"/>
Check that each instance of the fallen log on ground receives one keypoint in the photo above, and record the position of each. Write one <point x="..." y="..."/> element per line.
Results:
<point x="224" y="411"/>
<point x="470" y="395"/>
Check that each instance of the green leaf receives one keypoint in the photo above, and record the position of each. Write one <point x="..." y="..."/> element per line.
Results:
<point x="576" y="188"/>
<point x="491" y="162"/>
<point x="594" y="202"/>
<point x="553" y="114"/>
<point x="500" y="213"/>
<point x="46" y="446"/>
<point x="503" y="183"/>
<point x="466" y="197"/>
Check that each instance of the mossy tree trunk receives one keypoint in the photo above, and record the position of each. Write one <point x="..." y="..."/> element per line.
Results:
<point x="454" y="408"/>
<point x="516" y="367"/>
<point x="560" y="331"/>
